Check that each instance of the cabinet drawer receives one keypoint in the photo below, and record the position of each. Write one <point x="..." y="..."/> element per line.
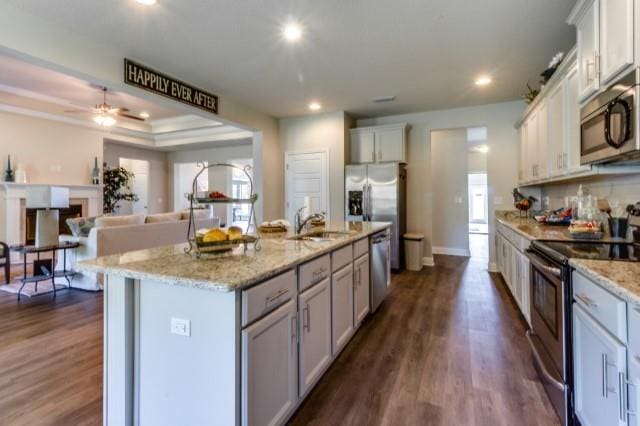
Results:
<point x="341" y="257"/>
<point x="606" y="308"/>
<point x="360" y="247"/>
<point x="314" y="271"/>
<point x="267" y="296"/>
<point x="634" y="330"/>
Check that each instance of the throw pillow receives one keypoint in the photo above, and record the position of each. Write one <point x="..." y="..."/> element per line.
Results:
<point x="81" y="226"/>
<point x="108" y="221"/>
<point x="164" y="217"/>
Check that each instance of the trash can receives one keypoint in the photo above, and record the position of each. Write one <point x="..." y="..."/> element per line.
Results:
<point x="413" y="249"/>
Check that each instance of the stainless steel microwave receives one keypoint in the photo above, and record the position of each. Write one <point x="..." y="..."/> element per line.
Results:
<point x="609" y="123"/>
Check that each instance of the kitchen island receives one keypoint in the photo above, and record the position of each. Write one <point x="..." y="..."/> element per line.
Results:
<point x="232" y="338"/>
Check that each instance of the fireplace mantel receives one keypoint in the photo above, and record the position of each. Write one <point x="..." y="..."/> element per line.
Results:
<point x="11" y="205"/>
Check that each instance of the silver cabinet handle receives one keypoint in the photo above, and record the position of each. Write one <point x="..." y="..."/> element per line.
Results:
<point x="318" y="275"/>
<point x="586" y="300"/>
<point x="605" y="386"/>
<point x="622" y="396"/>
<point x="275" y="296"/>
<point x="294" y="332"/>
<point x="365" y="202"/>
<point x="306" y="318"/>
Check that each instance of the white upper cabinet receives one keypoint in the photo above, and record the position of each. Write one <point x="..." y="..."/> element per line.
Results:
<point x="362" y="146"/>
<point x="572" y="123"/>
<point x="379" y="144"/>
<point x="556" y="121"/>
<point x="616" y="37"/>
<point x="587" y="28"/>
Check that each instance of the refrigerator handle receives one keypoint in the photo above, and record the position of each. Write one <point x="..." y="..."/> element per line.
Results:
<point x="369" y="205"/>
<point x="364" y="202"/>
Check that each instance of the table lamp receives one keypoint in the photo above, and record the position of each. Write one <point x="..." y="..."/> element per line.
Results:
<point x="47" y="199"/>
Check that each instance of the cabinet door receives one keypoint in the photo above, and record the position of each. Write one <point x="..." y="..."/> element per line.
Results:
<point x="532" y="144"/>
<point x="525" y="287"/>
<point x="572" y="123"/>
<point x="542" y="168"/>
<point x="556" y="110"/>
<point x="517" y="276"/>
<point x="389" y="145"/>
<point x="522" y="172"/>
<point x="362" y="146"/>
<point x="269" y="367"/>
<point x="599" y="365"/>
<point x="361" y="289"/>
<point x="315" y="333"/>
<point x="634" y="389"/>
<point x="588" y="38"/>
<point x="616" y="37"/>
<point x="342" y="307"/>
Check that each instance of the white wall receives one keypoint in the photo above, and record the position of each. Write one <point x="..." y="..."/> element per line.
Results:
<point x="158" y="201"/>
<point x="477" y="162"/>
<point x="502" y="158"/>
<point x="450" y="192"/>
<point x="51" y="152"/>
<point x="321" y="131"/>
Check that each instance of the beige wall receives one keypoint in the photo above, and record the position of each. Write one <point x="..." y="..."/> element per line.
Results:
<point x="321" y="131"/>
<point x="158" y="172"/>
<point x="477" y="162"/>
<point x="450" y="191"/>
<point x="51" y="152"/>
<point x="502" y="159"/>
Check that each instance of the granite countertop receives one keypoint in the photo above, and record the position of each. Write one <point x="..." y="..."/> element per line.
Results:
<point x="534" y="230"/>
<point x="620" y="278"/>
<point x="227" y="271"/>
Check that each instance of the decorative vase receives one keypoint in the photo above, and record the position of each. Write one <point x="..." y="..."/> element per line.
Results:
<point x="21" y="174"/>
<point x="95" y="173"/>
<point x="8" y="173"/>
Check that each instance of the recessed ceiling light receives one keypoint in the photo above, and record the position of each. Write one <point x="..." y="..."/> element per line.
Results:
<point x="292" y="32"/>
<point x="144" y="115"/>
<point x="314" y="106"/>
<point x="483" y="80"/>
<point x="146" y="2"/>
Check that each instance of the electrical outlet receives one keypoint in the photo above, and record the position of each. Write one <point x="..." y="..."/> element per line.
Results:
<point x="181" y="327"/>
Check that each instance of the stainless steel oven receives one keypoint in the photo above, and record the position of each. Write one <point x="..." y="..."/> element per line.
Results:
<point x="549" y="336"/>
<point x="609" y="123"/>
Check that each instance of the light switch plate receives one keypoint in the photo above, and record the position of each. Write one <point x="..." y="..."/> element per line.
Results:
<point x="181" y="327"/>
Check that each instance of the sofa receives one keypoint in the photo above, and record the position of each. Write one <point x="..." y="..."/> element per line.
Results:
<point x="126" y="233"/>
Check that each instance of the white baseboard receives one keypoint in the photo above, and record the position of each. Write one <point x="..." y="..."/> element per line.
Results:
<point x="428" y="261"/>
<point x="451" y="251"/>
<point x="492" y="267"/>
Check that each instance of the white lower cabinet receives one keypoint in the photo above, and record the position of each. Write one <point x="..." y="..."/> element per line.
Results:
<point x="342" y="303"/>
<point x="633" y="393"/>
<point x="599" y="369"/>
<point x="361" y="287"/>
<point x="270" y="367"/>
<point x="315" y="333"/>
<point x="513" y="264"/>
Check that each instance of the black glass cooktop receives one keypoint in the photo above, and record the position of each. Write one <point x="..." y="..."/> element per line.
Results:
<point x="593" y="250"/>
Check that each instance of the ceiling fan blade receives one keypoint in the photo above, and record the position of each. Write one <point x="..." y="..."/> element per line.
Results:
<point x="133" y="117"/>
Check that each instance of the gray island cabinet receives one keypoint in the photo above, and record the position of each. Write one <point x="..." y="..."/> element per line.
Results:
<point x="233" y="338"/>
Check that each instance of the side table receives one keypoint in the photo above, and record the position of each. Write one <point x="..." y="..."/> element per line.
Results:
<point x="37" y="276"/>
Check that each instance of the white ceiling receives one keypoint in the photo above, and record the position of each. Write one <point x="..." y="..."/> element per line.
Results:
<point x="425" y="52"/>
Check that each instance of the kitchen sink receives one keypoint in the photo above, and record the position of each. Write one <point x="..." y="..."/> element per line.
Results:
<point x="319" y="236"/>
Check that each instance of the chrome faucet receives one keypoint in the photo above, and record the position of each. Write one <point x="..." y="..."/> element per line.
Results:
<point x="302" y="223"/>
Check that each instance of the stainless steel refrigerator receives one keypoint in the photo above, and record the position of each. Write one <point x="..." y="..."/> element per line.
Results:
<point x="377" y="193"/>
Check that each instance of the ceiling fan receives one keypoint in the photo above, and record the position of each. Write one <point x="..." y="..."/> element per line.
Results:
<point x="105" y="114"/>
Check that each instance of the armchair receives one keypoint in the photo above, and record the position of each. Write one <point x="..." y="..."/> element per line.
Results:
<point x="5" y="261"/>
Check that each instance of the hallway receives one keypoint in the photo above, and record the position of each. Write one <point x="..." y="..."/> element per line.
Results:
<point x="447" y="347"/>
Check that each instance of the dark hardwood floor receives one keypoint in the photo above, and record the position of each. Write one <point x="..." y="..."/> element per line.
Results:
<point x="446" y="348"/>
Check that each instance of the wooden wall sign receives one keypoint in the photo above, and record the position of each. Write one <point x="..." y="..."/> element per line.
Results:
<point x="145" y="78"/>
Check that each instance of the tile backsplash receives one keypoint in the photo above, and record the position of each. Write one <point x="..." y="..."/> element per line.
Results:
<point x="623" y="188"/>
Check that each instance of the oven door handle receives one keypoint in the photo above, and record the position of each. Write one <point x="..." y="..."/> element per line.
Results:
<point x="538" y="359"/>
<point x="540" y="264"/>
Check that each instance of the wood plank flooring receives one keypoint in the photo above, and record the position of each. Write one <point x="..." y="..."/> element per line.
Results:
<point x="446" y="348"/>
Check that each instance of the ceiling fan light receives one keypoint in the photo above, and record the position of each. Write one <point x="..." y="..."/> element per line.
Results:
<point x="104" y="120"/>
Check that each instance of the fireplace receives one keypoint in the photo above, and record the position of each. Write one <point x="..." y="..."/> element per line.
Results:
<point x="73" y="211"/>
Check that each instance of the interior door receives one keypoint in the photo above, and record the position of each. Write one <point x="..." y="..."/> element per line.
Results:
<point x="139" y="185"/>
<point x="315" y="333"/>
<point x="616" y="37"/>
<point x="306" y="179"/>
<point x="269" y="367"/>
<point x="599" y="358"/>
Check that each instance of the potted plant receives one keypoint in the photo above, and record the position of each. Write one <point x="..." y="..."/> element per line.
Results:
<point x="116" y="187"/>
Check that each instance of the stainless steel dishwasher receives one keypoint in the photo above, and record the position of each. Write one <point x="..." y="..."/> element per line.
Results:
<point x="380" y="249"/>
